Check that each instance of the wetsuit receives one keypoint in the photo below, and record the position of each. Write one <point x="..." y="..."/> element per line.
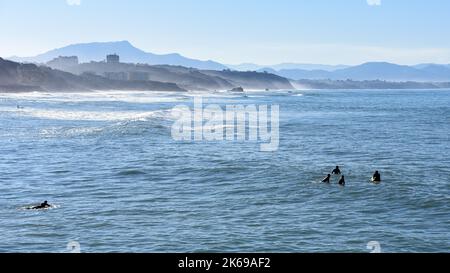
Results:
<point x="327" y="179"/>
<point x="42" y="206"/>
<point x="376" y="177"/>
<point x="336" y="171"/>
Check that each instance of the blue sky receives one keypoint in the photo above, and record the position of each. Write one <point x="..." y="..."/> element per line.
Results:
<point x="238" y="31"/>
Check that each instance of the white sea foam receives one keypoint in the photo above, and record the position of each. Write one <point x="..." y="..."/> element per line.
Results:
<point x="85" y="115"/>
<point x="104" y="114"/>
<point x="218" y="94"/>
<point x="70" y="132"/>
<point x="71" y="115"/>
<point x="98" y="96"/>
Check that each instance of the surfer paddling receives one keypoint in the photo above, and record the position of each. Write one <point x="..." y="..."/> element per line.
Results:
<point x="44" y="205"/>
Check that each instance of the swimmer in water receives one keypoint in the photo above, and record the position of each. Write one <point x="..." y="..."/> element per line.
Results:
<point x="342" y="181"/>
<point x="44" y="205"/>
<point x="336" y="171"/>
<point x="327" y="179"/>
<point x="376" y="177"/>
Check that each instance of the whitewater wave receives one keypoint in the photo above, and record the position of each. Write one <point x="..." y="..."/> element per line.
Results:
<point x="158" y="122"/>
<point x="70" y="132"/>
<point x="71" y="115"/>
<point x="98" y="96"/>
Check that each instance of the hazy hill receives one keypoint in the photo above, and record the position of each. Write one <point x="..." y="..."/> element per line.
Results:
<point x="128" y="53"/>
<point x="286" y="66"/>
<point x="440" y="71"/>
<point x="29" y="77"/>
<point x="127" y="76"/>
<point x="376" y="84"/>
<point x="189" y="78"/>
<point x="374" y="71"/>
<point x="252" y="80"/>
<point x="304" y="74"/>
<point x="382" y="71"/>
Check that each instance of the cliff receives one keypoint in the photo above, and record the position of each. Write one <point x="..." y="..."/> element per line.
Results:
<point x="30" y="77"/>
<point x="187" y="78"/>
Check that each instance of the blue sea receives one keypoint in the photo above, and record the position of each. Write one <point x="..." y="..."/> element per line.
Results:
<point x="120" y="183"/>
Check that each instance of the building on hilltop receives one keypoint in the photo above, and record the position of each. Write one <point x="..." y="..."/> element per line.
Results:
<point x="113" y="59"/>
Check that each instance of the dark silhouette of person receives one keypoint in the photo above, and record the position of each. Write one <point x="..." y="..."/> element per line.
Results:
<point x="336" y="171"/>
<point x="327" y="179"/>
<point x="376" y="177"/>
<point x="342" y="181"/>
<point x="42" y="206"/>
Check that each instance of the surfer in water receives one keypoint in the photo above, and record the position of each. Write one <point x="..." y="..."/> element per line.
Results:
<point x="376" y="177"/>
<point x="327" y="179"/>
<point x="44" y="205"/>
<point x="342" y="181"/>
<point x="336" y="171"/>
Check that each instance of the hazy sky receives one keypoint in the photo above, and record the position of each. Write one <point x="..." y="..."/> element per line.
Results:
<point x="238" y="31"/>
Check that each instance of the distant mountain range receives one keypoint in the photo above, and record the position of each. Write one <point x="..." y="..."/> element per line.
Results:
<point x="369" y="71"/>
<point x="372" y="71"/>
<point x="283" y="66"/>
<point x="127" y="52"/>
<point x="377" y="84"/>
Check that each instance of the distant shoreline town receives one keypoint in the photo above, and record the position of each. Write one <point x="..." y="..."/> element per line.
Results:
<point x="98" y="66"/>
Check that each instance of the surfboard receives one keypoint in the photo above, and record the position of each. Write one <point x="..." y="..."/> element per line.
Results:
<point x="35" y="207"/>
<point x="375" y="182"/>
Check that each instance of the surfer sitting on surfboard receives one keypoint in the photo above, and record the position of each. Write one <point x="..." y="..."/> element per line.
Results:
<point x="376" y="177"/>
<point x="327" y="179"/>
<point x="336" y="171"/>
<point x="342" y="181"/>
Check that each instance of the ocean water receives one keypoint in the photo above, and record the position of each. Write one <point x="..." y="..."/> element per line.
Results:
<point x="120" y="183"/>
